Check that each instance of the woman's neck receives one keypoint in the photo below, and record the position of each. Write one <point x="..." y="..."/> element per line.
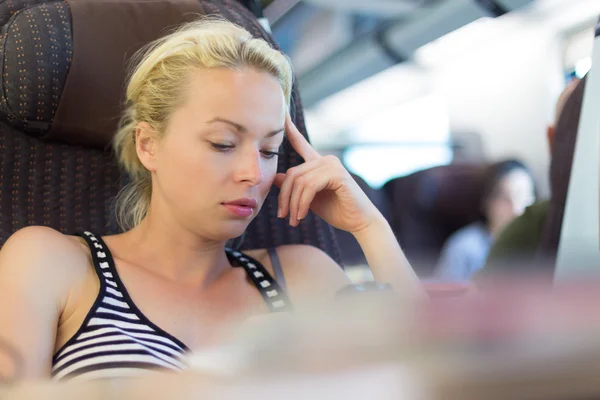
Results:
<point x="175" y="253"/>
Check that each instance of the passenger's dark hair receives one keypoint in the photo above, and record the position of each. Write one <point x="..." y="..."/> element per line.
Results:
<point x="492" y="177"/>
<point x="561" y="162"/>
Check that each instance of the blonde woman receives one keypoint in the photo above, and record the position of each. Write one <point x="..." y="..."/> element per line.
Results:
<point x="207" y="111"/>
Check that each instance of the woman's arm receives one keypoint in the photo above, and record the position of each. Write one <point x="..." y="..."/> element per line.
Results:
<point x="34" y="277"/>
<point x="311" y="276"/>
<point x="386" y="259"/>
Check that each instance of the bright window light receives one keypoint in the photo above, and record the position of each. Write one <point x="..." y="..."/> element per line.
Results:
<point x="398" y="140"/>
<point x="457" y="42"/>
<point x="352" y="106"/>
<point x="378" y="164"/>
<point x="583" y="66"/>
<point x="423" y="120"/>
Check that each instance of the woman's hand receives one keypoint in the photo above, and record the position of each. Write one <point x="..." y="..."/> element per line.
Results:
<point x="323" y="185"/>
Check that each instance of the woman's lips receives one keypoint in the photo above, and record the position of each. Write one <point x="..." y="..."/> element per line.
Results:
<point x="240" y="211"/>
<point x="241" y="207"/>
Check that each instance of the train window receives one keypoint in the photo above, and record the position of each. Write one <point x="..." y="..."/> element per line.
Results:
<point x="577" y="55"/>
<point x="396" y="140"/>
<point x="379" y="163"/>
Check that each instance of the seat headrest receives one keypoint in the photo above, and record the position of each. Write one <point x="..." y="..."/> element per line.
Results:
<point x="64" y="63"/>
<point x="446" y="192"/>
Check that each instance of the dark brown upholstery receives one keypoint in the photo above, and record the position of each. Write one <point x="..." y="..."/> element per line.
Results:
<point x="563" y="151"/>
<point x="63" y="69"/>
<point x="426" y="207"/>
<point x="67" y="188"/>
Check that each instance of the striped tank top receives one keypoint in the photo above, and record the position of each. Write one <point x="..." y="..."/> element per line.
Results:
<point x="116" y="340"/>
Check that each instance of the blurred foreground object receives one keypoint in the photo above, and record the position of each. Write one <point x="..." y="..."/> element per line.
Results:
<point x="516" y="338"/>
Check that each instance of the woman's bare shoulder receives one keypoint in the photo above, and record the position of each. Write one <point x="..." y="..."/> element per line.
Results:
<point x="45" y="252"/>
<point x="308" y="270"/>
<point x="42" y="271"/>
<point x="45" y="238"/>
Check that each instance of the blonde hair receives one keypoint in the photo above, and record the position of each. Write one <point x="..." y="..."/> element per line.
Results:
<point x="155" y="87"/>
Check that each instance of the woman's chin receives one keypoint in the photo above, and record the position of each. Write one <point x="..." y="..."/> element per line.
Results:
<point x="223" y="231"/>
<point x="233" y="231"/>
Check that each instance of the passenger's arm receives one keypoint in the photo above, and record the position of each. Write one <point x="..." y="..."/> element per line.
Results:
<point x="32" y="289"/>
<point x="453" y="262"/>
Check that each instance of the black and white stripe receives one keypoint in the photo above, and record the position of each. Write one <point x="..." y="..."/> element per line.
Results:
<point x="272" y="293"/>
<point x="116" y="339"/>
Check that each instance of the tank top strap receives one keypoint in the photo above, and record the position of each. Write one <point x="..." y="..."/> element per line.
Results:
<point x="277" y="269"/>
<point x="113" y="292"/>
<point x="273" y="294"/>
<point x="271" y="291"/>
<point x="103" y="264"/>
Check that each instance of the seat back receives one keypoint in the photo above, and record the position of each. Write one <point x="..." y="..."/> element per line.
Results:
<point x="426" y="207"/>
<point x="563" y="153"/>
<point x="64" y="67"/>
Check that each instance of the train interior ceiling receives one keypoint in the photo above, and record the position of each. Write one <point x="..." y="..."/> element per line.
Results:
<point x="398" y="87"/>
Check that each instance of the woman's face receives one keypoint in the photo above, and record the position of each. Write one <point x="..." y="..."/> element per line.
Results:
<point x="213" y="168"/>
<point x="513" y="193"/>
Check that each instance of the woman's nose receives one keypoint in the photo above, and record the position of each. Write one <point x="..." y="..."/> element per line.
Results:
<point x="250" y="168"/>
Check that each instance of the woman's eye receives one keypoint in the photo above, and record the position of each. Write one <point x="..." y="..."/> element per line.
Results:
<point x="270" y="154"/>
<point x="221" y="147"/>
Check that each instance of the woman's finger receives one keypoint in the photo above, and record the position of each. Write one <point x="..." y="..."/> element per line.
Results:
<point x="299" y="188"/>
<point x="285" y="190"/>
<point x="299" y="142"/>
<point x="305" y="189"/>
<point x="309" y="193"/>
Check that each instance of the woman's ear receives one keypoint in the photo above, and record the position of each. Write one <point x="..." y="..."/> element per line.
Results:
<point x="146" y="141"/>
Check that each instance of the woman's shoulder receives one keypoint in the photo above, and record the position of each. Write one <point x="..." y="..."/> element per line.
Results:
<point x="296" y="256"/>
<point x="44" y="252"/>
<point x="307" y="269"/>
<point x="44" y="238"/>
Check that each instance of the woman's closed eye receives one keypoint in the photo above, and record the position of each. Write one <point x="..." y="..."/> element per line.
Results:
<point x="222" y="147"/>
<point x="225" y="148"/>
<point x="268" y="154"/>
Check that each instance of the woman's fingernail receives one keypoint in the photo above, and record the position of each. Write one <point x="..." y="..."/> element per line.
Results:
<point x="279" y="214"/>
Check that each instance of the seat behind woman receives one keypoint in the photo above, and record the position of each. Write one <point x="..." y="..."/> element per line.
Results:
<point x="64" y="66"/>
<point x="426" y="207"/>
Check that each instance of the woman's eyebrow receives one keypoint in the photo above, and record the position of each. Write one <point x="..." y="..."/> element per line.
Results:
<point x="241" y="128"/>
<point x="273" y="133"/>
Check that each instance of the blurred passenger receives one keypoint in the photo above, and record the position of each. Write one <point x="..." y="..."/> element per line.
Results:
<point x="509" y="189"/>
<point x="517" y="244"/>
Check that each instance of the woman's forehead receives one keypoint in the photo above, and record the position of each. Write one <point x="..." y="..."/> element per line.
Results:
<point x="214" y="91"/>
